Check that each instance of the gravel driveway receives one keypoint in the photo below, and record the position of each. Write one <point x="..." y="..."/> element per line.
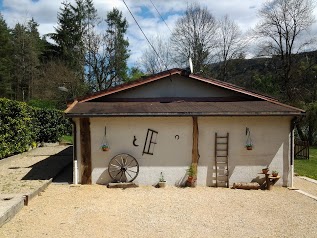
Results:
<point x="96" y="211"/>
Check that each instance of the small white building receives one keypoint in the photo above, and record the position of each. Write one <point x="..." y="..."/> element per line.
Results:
<point x="173" y="119"/>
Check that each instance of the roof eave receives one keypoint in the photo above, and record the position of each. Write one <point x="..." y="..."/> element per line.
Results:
<point x="182" y="114"/>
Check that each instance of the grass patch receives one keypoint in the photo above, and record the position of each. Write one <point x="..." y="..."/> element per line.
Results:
<point x="308" y="168"/>
<point x="66" y="139"/>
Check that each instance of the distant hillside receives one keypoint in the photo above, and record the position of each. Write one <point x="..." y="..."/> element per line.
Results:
<point x="259" y="74"/>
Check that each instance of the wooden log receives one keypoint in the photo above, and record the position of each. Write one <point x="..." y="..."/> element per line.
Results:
<point x="247" y="186"/>
<point x="122" y="185"/>
<point x="195" y="152"/>
<point x="85" y="150"/>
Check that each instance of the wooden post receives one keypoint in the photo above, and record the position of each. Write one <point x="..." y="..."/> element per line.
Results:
<point x="85" y="149"/>
<point x="195" y="152"/>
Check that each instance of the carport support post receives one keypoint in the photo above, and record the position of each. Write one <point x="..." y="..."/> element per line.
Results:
<point x="195" y="153"/>
<point x="85" y="150"/>
<point x="293" y="123"/>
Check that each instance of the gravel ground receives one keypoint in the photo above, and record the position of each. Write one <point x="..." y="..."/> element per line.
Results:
<point x="23" y="174"/>
<point x="306" y="186"/>
<point x="97" y="211"/>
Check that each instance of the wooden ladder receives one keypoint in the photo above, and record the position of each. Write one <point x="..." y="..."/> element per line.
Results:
<point x="221" y="160"/>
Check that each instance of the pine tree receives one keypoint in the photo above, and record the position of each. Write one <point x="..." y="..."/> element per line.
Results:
<point x="109" y="53"/>
<point x="36" y="48"/>
<point x="68" y="37"/>
<point x="117" y="27"/>
<point x="5" y="60"/>
<point x="98" y="59"/>
<point x="26" y="53"/>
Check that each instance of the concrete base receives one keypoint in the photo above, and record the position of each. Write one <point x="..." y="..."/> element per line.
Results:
<point x="122" y="185"/>
<point x="10" y="204"/>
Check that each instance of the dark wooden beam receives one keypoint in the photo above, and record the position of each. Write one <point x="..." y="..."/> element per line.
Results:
<point x="85" y="150"/>
<point x="195" y="152"/>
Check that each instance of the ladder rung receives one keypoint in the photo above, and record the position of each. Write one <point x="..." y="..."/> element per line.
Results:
<point x="221" y="150"/>
<point x="223" y="156"/>
<point x="221" y="162"/>
<point x="222" y="176"/>
<point x="222" y="143"/>
<point x="222" y="137"/>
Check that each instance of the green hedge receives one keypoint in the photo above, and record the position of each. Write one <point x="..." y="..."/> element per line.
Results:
<point x="50" y="125"/>
<point x="15" y="127"/>
<point x="21" y="124"/>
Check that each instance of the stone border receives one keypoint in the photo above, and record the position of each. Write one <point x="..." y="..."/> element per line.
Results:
<point x="306" y="194"/>
<point x="23" y="200"/>
<point x="17" y="201"/>
<point x="16" y="204"/>
<point x="31" y="195"/>
<point x="308" y="179"/>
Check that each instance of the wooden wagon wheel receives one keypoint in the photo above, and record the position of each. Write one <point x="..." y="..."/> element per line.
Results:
<point x="123" y="168"/>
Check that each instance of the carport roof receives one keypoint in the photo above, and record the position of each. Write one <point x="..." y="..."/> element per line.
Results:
<point x="181" y="108"/>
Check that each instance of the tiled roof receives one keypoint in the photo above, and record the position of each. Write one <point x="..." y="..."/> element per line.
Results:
<point x="261" y="105"/>
<point x="164" y="74"/>
<point x="182" y="108"/>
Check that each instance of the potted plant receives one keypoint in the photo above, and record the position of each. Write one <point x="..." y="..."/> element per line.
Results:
<point x="105" y="147"/>
<point x="265" y="170"/>
<point x="274" y="173"/>
<point x="162" y="181"/>
<point x="249" y="146"/>
<point x="191" y="179"/>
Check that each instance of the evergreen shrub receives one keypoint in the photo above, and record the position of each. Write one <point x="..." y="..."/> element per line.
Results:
<point x="20" y="125"/>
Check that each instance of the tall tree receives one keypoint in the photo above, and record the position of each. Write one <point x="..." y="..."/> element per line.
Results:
<point x="194" y="36"/>
<point x="36" y="48"/>
<point x="117" y="27"/>
<point x="68" y="36"/>
<point x="109" y="53"/>
<point x="282" y="24"/>
<point x="98" y="57"/>
<point x="91" y="20"/>
<point x="230" y="44"/>
<point x="5" y="60"/>
<point x="26" y="54"/>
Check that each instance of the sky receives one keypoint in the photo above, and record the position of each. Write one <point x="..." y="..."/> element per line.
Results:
<point x="243" y="12"/>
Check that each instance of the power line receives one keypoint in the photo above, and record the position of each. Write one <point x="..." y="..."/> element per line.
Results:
<point x="166" y="26"/>
<point x="145" y="35"/>
<point x="160" y="16"/>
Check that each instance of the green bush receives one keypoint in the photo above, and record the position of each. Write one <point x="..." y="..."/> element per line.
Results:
<point x="50" y="125"/>
<point x="20" y="125"/>
<point x="15" y="127"/>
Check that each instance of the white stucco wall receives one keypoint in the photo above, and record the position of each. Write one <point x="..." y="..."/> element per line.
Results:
<point x="270" y="136"/>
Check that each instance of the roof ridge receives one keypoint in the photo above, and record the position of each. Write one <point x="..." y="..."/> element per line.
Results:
<point x="129" y="84"/>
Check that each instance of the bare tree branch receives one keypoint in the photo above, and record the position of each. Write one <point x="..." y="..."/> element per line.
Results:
<point x="282" y="24"/>
<point x="194" y="36"/>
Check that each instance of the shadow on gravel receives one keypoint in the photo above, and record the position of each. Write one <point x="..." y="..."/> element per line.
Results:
<point x="65" y="176"/>
<point x="50" y="167"/>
